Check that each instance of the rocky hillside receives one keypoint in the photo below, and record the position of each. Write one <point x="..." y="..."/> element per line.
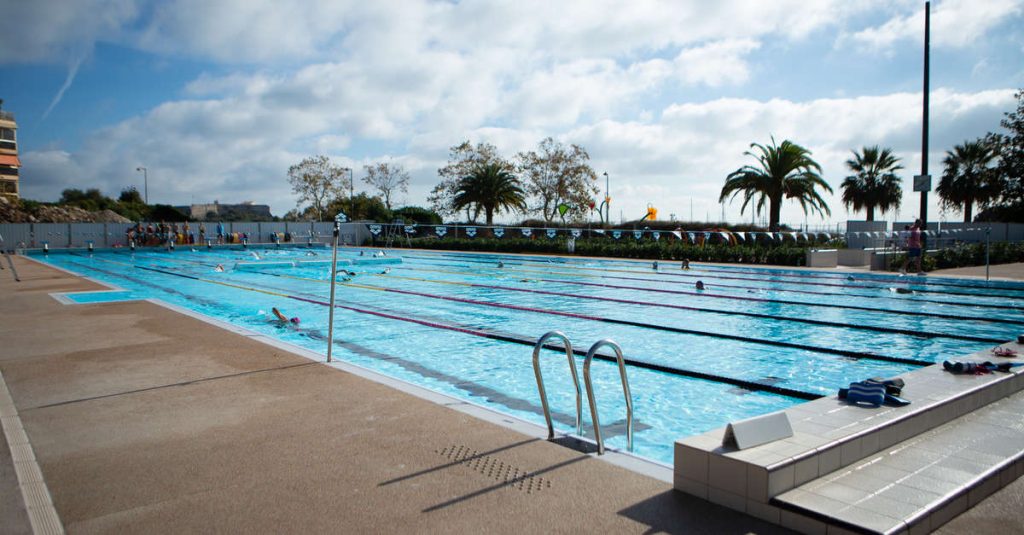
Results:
<point x="12" y="212"/>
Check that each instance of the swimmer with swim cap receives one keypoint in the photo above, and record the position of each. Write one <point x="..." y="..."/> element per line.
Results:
<point x="655" y="265"/>
<point x="219" y="268"/>
<point x="700" y="285"/>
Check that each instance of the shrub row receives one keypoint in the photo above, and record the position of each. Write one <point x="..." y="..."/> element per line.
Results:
<point x="968" y="254"/>
<point x="784" y="255"/>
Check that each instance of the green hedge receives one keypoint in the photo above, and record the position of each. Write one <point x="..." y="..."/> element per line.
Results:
<point x="965" y="255"/>
<point x="784" y="255"/>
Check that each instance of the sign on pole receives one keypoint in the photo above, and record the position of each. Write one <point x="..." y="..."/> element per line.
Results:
<point x="922" y="182"/>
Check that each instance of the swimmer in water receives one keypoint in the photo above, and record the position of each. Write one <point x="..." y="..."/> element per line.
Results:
<point x="501" y="264"/>
<point x="700" y="285"/>
<point x="281" y="318"/>
<point x="219" y="268"/>
<point x="901" y="290"/>
<point x="310" y="253"/>
<point x="654" y="266"/>
<point x="685" y="264"/>
<point x="386" y="271"/>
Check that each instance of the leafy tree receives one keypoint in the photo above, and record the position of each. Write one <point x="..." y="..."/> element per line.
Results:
<point x="784" y="171"/>
<point x="423" y="216"/>
<point x="387" y="178"/>
<point x="165" y="212"/>
<point x="874" y="183"/>
<point x="490" y="188"/>
<point x="316" y="180"/>
<point x="1010" y="147"/>
<point x="130" y="195"/>
<point x="360" y="207"/>
<point x="968" y="177"/>
<point x="462" y="160"/>
<point x="557" y="175"/>
<point x="91" y="199"/>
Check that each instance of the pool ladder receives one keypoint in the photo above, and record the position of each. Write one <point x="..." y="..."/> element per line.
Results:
<point x="590" y="387"/>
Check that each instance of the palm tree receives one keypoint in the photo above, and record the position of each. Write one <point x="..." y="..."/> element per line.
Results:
<point x="785" y="171"/>
<point x="967" y="177"/>
<point x="491" y="188"/>
<point x="874" y="183"/>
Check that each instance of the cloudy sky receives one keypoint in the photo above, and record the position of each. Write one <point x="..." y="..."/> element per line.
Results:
<point x="217" y="98"/>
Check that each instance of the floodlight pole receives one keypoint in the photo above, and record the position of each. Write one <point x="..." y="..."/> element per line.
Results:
<point x="924" y="115"/>
<point x="334" y="273"/>
<point x="145" y="182"/>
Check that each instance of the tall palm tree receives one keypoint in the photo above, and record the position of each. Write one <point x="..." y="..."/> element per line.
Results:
<point x="967" y="177"/>
<point x="491" y="188"/>
<point x="784" y="171"/>
<point x="874" y="183"/>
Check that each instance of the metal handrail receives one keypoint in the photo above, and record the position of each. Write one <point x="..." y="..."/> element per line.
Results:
<point x="625" y="390"/>
<point x="575" y="380"/>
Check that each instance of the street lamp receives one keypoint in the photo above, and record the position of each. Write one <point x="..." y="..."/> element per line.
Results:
<point x="145" y="182"/>
<point x="351" y="190"/>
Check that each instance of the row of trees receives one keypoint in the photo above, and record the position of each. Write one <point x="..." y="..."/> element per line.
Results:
<point x="987" y="172"/>
<point x="321" y="183"/>
<point x="556" y="180"/>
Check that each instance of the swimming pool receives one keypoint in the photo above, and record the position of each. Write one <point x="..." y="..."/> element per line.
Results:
<point x="754" y="341"/>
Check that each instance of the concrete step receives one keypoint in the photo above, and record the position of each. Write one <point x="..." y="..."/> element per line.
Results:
<point x="921" y="483"/>
<point x="830" y="435"/>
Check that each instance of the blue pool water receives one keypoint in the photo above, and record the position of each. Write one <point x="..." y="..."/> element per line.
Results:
<point x="84" y="298"/>
<point x="754" y="341"/>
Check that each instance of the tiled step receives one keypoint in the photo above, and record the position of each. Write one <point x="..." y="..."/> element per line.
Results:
<point x="920" y="484"/>
<point x="830" y="435"/>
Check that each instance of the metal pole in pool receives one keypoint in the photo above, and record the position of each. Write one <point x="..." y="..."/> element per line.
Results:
<point x="988" y="233"/>
<point x="334" y="271"/>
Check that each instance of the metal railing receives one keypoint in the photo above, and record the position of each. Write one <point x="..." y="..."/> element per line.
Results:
<point x="567" y="345"/>
<point x="625" y="390"/>
<point x="540" y="381"/>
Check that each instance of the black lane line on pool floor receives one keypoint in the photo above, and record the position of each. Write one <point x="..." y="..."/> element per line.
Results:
<point x="788" y="275"/>
<point x="782" y="290"/>
<point x="475" y="389"/>
<point x="749" y="385"/>
<point x="873" y="328"/>
<point x="749" y="314"/>
<point x="667" y="328"/>
<point x="757" y="299"/>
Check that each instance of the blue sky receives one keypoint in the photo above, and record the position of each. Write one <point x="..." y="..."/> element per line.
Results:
<point x="218" y="98"/>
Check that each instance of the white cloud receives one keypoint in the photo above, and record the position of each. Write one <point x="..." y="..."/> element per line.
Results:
<point x="954" y="23"/>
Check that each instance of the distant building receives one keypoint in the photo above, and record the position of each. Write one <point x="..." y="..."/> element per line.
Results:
<point x="246" y="211"/>
<point x="9" y="163"/>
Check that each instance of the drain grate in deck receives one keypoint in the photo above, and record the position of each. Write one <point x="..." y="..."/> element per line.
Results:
<point x="512" y="476"/>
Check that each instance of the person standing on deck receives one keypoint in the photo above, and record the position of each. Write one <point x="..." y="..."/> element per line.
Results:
<point x="914" y="248"/>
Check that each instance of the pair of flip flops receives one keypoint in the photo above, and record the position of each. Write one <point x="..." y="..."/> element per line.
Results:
<point x="1004" y="352"/>
<point x="875" y="392"/>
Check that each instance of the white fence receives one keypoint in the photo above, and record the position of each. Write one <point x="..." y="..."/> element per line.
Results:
<point x="65" y="235"/>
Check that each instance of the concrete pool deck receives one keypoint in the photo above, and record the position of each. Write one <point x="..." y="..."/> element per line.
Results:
<point x="142" y="419"/>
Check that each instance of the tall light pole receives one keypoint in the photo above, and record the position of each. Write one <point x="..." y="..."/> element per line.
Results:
<point x="145" y="182"/>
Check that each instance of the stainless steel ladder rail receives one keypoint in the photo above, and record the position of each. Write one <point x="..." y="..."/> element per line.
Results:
<point x="575" y="379"/>
<point x="625" y="390"/>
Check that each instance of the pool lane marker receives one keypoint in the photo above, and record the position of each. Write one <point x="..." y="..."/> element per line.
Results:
<point x="736" y="297"/>
<point x="783" y="290"/>
<point x="891" y="330"/>
<point x="788" y="274"/>
<point x="667" y="328"/>
<point x="749" y="385"/>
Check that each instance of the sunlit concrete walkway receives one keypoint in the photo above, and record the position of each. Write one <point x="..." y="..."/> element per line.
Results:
<point x="144" y="420"/>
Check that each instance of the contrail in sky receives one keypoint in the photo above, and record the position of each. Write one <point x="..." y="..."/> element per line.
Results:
<point x="72" y="71"/>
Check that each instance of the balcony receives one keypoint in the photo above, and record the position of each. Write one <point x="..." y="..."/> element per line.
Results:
<point x="6" y="116"/>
